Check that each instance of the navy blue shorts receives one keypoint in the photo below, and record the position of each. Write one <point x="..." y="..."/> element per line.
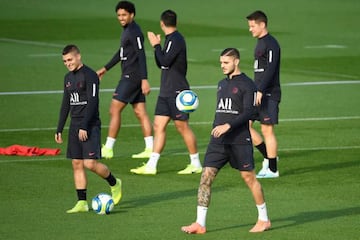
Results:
<point x="166" y="106"/>
<point x="129" y="90"/>
<point x="84" y="150"/>
<point x="267" y="112"/>
<point x="239" y="156"/>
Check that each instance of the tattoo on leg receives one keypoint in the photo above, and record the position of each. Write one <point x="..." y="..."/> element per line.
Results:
<point x="204" y="192"/>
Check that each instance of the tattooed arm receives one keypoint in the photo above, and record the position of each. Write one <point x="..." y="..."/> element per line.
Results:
<point x="204" y="193"/>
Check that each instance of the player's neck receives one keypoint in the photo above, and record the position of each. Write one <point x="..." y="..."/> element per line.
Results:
<point x="169" y="30"/>
<point x="264" y="33"/>
<point x="78" y="67"/>
<point x="235" y="73"/>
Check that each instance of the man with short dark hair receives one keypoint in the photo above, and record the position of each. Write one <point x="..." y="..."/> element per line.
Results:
<point x="133" y="85"/>
<point x="230" y="141"/>
<point x="267" y="80"/>
<point x="172" y="61"/>
<point x="81" y="100"/>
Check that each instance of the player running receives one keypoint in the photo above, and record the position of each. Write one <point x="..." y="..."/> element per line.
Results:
<point x="133" y="85"/>
<point x="267" y="80"/>
<point x="81" y="100"/>
<point x="230" y="141"/>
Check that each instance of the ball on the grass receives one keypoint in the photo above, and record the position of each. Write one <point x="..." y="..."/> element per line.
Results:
<point x="187" y="101"/>
<point x="102" y="203"/>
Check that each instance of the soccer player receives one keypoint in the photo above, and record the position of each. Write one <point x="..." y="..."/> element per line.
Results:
<point x="267" y="80"/>
<point x="172" y="61"/>
<point x="133" y="85"/>
<point x="81" y="100"/>
<point x="231" y="141"/>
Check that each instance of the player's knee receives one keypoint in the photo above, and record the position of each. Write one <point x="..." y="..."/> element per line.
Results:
<point x="77" y="164"/>
<point x="183" y="128"/>
<point x="267" y="130"/>
<point x="248" y="177"/>
<point x="158" y="127"/>
<point x="90" y="164"/>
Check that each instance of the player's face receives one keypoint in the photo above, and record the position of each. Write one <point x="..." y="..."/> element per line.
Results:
<point x="72" y="61"/>
<point x="124" y="17"/>
<point x="228" y="64"/>
<point x="257" y="29"/>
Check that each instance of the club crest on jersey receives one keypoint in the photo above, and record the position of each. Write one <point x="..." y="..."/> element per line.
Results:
<point x="235" y="90"/>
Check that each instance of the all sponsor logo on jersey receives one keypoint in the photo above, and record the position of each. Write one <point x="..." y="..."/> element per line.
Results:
<point x="225" y="106"/>
<point x="75" y="99"/>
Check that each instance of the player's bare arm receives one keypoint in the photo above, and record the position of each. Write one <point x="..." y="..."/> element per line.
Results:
<point x="220" y="130"/>
<point x="145" y="87"/>
<point x="207" y="177"/>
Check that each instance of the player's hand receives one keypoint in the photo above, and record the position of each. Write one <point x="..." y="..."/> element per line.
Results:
<point x="258" y="98"/>
<point x="145" y="87"/>
<point x="154" y="39"/>
<point x="58" y="138"/>
<point x="220" y="130"/>
<point x="101" y="72"/>
<point x="83" y="136"/>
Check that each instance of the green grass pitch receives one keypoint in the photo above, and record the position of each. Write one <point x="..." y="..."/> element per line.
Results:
<point x="317" y="195"/>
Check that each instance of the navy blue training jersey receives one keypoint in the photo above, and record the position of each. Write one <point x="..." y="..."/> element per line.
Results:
<point x="267" y="67"/>
<point x="80" y="98"/>
<point x="235" y="106"/>
<point x="172" y="61"/>
<point x="131" y="52"/>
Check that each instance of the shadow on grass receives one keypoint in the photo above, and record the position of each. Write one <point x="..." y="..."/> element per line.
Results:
<point x="322" y="167"/>
<point x="314" y="216"/>
<point x="166" y="196"/>
<point x="300" y="218"/>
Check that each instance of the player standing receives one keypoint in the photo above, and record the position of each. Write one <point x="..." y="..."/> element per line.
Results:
<point x="230" y="141"/>
<point x="172" y="61"/>
<point x="81" y="100"/>
<point x="267" y="80"/>
<point x="133" y="85"/>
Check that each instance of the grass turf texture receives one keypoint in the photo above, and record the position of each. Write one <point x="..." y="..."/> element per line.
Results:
<point x="316" y="196"/>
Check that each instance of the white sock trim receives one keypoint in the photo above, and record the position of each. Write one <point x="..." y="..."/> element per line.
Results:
<point x="201" y="215"/>
<point x="110" y="142"/>
<point x="262" y="212"/>
<point x="149" y="142"/>
<point x="195" y="160"/>
<point x="153" y="160"/>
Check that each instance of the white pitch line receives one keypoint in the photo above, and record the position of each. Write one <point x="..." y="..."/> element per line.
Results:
<point x="331" y="46"/>
<point x="323" y="83"/>
<point x="41" y="55"/>
<point x="340" y="82"/>
<point x="41" y="159"/>
<point x="341" y="118"/>
<point x="34" y="43"/>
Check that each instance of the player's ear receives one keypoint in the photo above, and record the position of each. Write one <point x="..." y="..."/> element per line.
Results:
<point x="236" y="61"/>
<point x="262" y="25"/>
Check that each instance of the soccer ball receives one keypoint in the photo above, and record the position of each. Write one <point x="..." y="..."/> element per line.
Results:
<point x="102" y="203"/>
<point x="187" y="101"/>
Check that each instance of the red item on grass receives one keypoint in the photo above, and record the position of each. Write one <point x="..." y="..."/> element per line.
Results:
<point x="20" y="150"/>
